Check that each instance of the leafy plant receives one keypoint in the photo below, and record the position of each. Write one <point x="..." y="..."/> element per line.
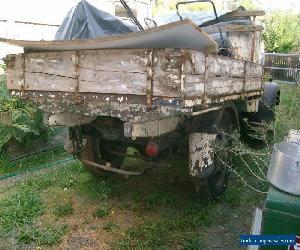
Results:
<point x="282" y="32"/>
<point x="18" y="119"/>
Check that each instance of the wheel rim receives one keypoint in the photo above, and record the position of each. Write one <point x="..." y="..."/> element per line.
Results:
<point x="103" y="155"/>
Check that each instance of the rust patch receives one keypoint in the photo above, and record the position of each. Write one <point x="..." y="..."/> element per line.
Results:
<point x="10" y="61"/>
<point x="150" y="74"/>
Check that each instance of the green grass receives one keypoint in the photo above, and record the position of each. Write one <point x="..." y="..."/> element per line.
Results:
<point x="287" y="113"/>
<point x="31" y="162"/>
<point x="24" y="203"/>
<point x="103" y="210"/>
<point x="194" y="244"/>
<point x="63" y="210"/>
<point x="158" y="210"/>
<point x="18" y="209"/>
<point x="46" y="236"/>
<point x="110" y="226"/>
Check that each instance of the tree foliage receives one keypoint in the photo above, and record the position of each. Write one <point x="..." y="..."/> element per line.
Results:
<point x="282" y="32"/>
<point x="163" y="6"/>
<point x="248" y="4"/>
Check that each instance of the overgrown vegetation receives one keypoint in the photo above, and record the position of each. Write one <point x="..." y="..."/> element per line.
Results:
<point x="288" y="115"/>
<point x="19" y="120"/>
<point x="282" y="32"/>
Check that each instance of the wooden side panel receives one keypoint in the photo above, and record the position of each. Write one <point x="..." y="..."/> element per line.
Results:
<point x="14" y="73"/>
<point x="220" y="65"/>
<point x="167" y="76"/>
<point x="254" y="70"/>
<point x="246" y="45"/>
<point x="54" y="63"/>
<point x="253" y="84"/>
<point x="174" y="73"/>
<point x="112" y="82"/>
<point x="124" y="60"/>
<point x="46" y="82"/>
<point x="195" y="64"/>
<point x="225" y="76"/>
<point x="194" y="85"/>
<point x="224" y="86"/>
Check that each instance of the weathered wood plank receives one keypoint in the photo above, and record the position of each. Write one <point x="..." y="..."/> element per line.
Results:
<point x="249" y="13"/>
<point x="45" y="82"/>
<point x="197" y="63"/>
<point x="125" y="60"/>
<point x="226" y="27"/>
<point x="172" y="35"/>
<point x="112" y="82"/>
<point x="252" y="84"/>
<point x="194" y="86"/>
<point x="55" y="63"/>
<point x="225" y="66"/>
<point x="254" y="70"/>
<point x="166" y="83"/>
<point x="14" y="73"/>
<point x="223" y="85"/>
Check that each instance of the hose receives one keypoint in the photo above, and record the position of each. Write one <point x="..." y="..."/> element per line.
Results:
<point x="38" y="167"/>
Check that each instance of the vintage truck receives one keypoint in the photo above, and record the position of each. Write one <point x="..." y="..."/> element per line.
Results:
<point x="150" y="90"/>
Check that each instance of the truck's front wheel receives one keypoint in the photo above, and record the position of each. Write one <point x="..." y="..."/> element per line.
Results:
<point x="211" y="157"/>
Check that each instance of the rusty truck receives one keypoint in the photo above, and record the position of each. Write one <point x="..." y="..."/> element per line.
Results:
<point x="149" y="90"/>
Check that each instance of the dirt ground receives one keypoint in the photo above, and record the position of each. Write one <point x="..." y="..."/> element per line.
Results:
<point x="67" y="208"/>
<point x="156" y="210"/>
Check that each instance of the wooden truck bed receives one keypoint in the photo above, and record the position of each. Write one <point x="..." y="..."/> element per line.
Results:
<point x="131" y="84"/>
<point x="170" y="77"/>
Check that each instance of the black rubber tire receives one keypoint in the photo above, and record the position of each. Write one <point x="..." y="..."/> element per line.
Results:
<point x="262" y="119"/>
<point x="216" y="183"/>
<point x="96" y="151"/>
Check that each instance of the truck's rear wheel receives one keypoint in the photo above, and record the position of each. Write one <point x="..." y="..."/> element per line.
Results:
<point x="100" y="152"/>
<point x="215" y="184"/>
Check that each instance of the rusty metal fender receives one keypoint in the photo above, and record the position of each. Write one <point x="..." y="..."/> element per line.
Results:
<point x="203" y="131"/>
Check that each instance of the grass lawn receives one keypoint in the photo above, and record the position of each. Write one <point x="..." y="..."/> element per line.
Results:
<point x="67" y="208"/>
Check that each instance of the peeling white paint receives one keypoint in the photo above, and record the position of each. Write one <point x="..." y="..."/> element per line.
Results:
<point x="200" y="152"/>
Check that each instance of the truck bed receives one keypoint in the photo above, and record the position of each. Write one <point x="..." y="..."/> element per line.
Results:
<point x="167" y="77"/>
<point x="131" y="83"/>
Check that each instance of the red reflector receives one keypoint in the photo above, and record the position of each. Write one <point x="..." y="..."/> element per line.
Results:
<point x="152" y="150"/>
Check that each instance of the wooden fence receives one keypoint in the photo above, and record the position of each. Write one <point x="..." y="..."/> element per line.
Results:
<point x="284" y="67"/>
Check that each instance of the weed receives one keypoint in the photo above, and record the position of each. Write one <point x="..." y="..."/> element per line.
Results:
<point x="110" y="226"/>
<point x="193" y="244"/>
<point x="63" y="210"/>
<point x="150" y="235"/>
<point x="159" y="234"/>
<point x="93" y="188"/>
<point x="160" y="198"/>
<point x="287" y="113"/>
<point x="103" y="210"/>
<point x="49" y="235"/>
<point x="19" y="209"/>
<point x="232" y="196"/>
